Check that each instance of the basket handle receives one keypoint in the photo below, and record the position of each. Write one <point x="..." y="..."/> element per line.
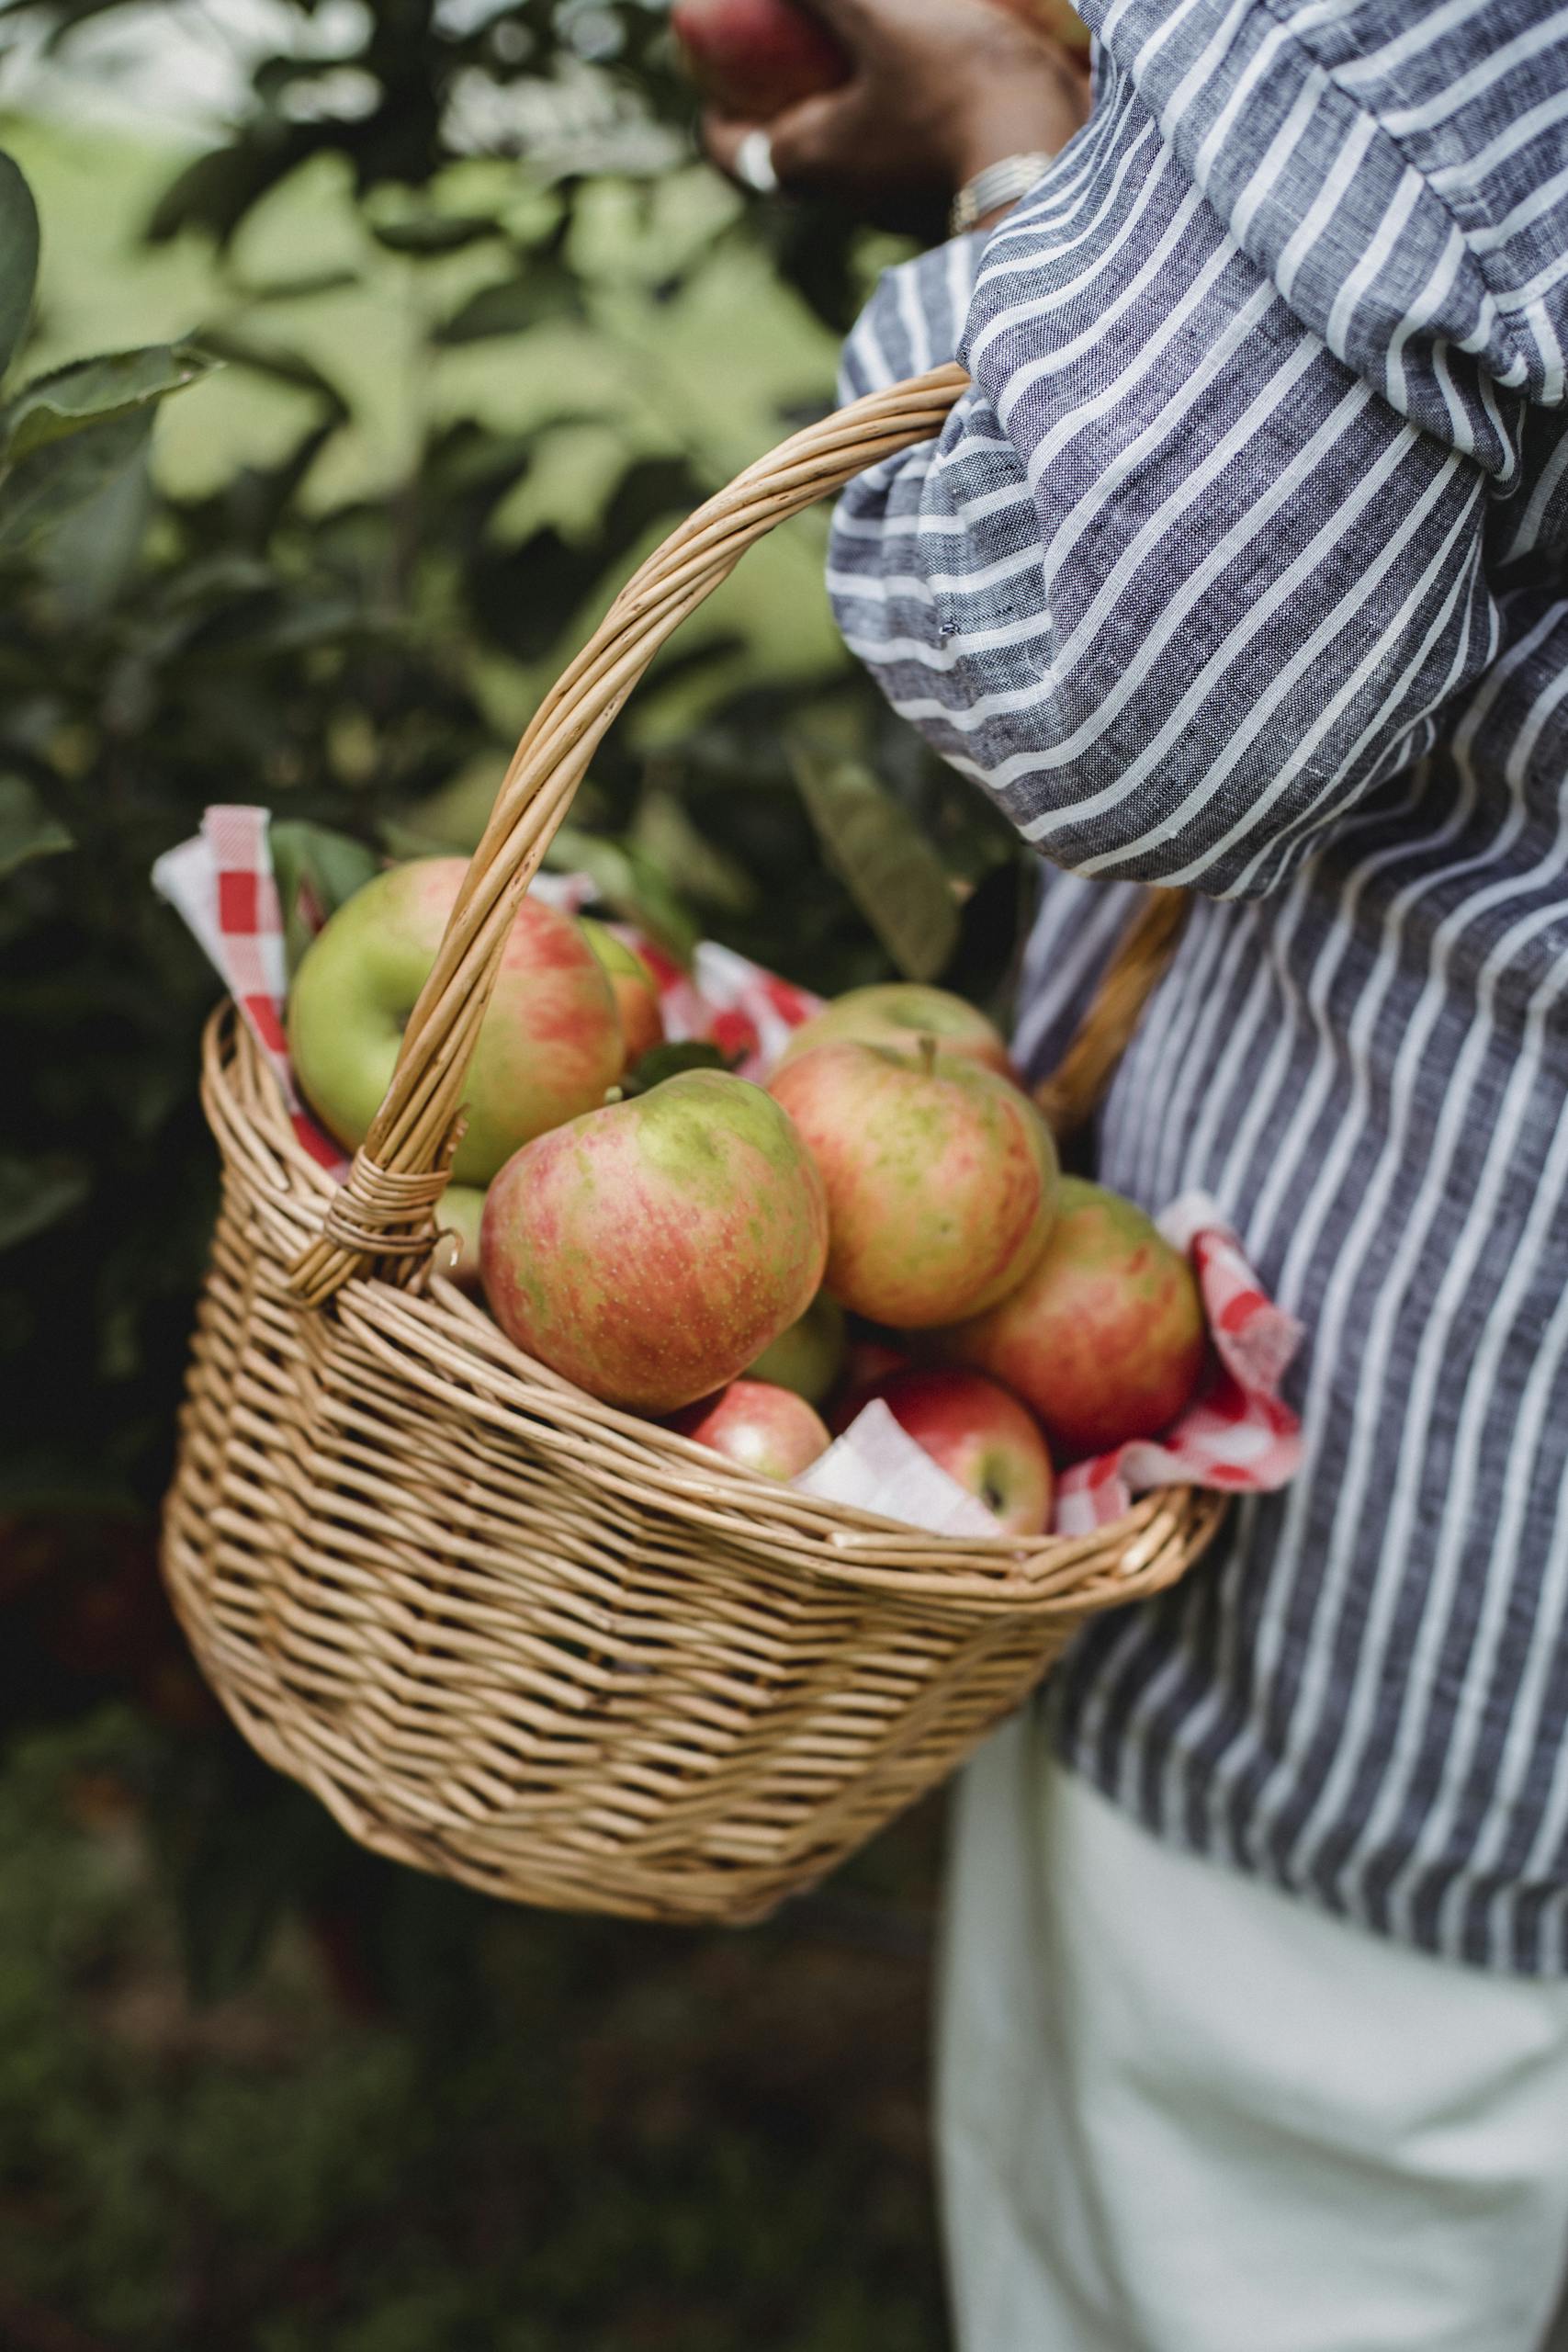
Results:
<point x="1072" y="1092"/>
<point x="384" y="1211"/>
<point x="399" y="1171"/>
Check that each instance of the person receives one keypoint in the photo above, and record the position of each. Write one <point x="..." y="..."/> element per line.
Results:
<point x="1240" y="567"/>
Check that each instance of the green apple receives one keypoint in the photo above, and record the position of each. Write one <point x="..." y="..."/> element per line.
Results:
<point x="458" y="1214"/>
<point x="809" y="1355"/>
<point x="549" y="1046"/>
<point x="637" y="992"/>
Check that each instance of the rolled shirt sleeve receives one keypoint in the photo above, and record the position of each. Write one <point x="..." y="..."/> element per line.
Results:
<point x="1180" y="584"/>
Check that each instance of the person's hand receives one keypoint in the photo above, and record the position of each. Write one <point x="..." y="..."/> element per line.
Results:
<point x="938" y="90"/>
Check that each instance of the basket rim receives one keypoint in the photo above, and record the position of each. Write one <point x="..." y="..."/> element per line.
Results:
<point x="412" y="1325"/>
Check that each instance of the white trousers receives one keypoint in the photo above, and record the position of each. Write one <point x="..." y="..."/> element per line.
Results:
<point x="1178" y="2111"/>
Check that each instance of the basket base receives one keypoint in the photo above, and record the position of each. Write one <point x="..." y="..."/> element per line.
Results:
<point x="666" y="1881"/>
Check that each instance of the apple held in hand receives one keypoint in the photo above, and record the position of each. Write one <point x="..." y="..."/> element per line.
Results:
<point x="551" y="1040"/>
<point x="754" y="58"/>
<point x="979" y="1434"/>
<point x="650" y="1252"/>
<point x="809" y="1355"/>
<point x="637" y="997"/>
<point x="1104" y="1338"/>
<point x="899" y="1013"/>
<point x="941" y="1179"/>
<point x="762" y="1428"/>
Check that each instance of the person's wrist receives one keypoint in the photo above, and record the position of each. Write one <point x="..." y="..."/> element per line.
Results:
<point x="1040" y="121"/>
<point x="981" y="202"/>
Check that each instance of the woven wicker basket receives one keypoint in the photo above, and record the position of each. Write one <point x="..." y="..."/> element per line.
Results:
<point x="508" y="1633"/>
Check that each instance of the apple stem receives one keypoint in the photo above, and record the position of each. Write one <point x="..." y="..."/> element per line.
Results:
<point x="928" y="1054"/>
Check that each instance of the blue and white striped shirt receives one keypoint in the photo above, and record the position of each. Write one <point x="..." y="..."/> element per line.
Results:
<point x="1244" y="565"/>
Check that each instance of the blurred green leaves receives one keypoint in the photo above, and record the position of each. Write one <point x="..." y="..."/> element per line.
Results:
<point x="426" y="235"/>
<point x="544" y="290"/>
<point x="18" y="259"/>
<point x="67" y="435"/>
<point x="37" y="1194"/>
<point x="884" y="858"/>
<point x="26" y="829"/>
<point x="513" y="358"/>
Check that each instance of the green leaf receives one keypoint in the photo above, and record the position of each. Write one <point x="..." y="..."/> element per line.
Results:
<point x="661" y="1062"/>
<point x="18" y="259"/>
<point x="213" y="194"/>
<point x="26" y="829"/>
<point x="272" y="360"/>
<point x="630" y="885"/>
<point x="91" y="391"/>
<point x="548" y="289"/>
<point x="303" y="287"/>
<point x="54" y="481"/>
<point x="426" y="235"/>
<point x="91" y="554"/>
<point x="665" y="834"/>
<point x="69" y="434"/>
<point x="882" y="857"/>
<point x="317" y="869"/>
<point x="37" y="1194"/>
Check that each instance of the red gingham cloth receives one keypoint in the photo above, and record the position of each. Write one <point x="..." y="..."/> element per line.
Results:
<point x="1236" y="1435"/>
<point x="222" y="883"/>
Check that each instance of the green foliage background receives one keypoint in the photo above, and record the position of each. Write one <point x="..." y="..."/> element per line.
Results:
<point x="467" y="378"/>
<point x="460" y="396"/>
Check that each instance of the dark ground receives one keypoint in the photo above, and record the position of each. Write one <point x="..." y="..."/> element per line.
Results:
<point x="425" y="2124"/>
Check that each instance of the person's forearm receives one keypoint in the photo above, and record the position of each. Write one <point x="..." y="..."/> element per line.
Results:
<point x="1174" y="586"/>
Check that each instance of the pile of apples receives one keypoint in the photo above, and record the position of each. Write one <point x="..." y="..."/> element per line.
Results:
<point x="885" y="1218"/>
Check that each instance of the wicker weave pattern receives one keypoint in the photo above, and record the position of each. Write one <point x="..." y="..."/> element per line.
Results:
<point x="513" y="1635"/>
